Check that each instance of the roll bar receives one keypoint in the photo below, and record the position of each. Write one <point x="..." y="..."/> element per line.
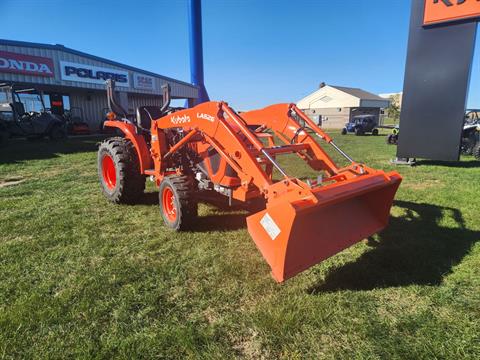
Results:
<point x="166" y="98"/>
<point x="113" y="103"/>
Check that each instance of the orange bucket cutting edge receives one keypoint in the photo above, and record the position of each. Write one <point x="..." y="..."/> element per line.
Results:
<point x="295" y="235"/>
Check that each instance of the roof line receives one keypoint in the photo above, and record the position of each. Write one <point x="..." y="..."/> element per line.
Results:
<point x="93" y="57"/>
<point x="358" y="93"/>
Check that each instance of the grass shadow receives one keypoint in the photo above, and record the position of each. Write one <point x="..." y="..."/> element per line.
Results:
<point x="220" y="222"/>
<point x="464" y="164"/>
<point x="148" y="198"/>
<point x="19" y="150"/>
<point x="413" y="250"/>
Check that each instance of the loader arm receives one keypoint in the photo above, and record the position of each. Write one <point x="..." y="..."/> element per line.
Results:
<point x="223" y="129"/>
<point x="280" y="119"/>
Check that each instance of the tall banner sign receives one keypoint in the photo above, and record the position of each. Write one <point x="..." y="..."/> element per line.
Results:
<point x="439" y="61"/>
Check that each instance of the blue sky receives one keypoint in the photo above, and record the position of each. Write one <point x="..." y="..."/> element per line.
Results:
<point x="256" y="52"/>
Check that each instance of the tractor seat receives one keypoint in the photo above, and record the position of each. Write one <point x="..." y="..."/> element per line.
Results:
<point x="145" y="115"/>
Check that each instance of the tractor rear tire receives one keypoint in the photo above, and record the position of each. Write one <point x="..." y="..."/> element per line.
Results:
<point x="178" y="205"/>
<point x="476" y="151"/>
<point x="119" y="171"/>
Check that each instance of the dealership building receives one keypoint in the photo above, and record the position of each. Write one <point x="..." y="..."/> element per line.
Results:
<point x="70" y="79"/>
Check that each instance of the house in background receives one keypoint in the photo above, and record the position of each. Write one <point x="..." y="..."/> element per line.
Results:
<point x="395" y="98"/>
<point x="332" y="106"/>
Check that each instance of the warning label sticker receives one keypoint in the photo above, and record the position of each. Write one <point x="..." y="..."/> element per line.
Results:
<point x="270" y="227"/>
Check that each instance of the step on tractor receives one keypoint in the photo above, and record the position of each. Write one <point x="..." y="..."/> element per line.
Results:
<point x="209" y="151"/>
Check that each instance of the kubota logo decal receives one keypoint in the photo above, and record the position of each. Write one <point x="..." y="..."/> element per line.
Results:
<point x="205" y="116"/>
<point x="180" y="119"/>
<point x="439" y="11"/>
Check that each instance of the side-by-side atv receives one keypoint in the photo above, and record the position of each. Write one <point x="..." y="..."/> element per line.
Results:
<point x="210" y="151"/>
<point x="471" y="134"/>
<point x="16" y="121"/>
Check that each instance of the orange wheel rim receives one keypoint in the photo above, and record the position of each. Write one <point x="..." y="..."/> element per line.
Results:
<point x="109" y="172"/>
<point x="168" y="202"/>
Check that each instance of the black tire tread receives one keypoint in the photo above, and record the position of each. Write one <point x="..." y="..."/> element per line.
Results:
<point x="131" y="183"/>
<point x="476" y="151"/>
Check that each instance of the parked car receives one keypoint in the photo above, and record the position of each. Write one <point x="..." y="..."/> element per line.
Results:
<point x="361" y="124"/>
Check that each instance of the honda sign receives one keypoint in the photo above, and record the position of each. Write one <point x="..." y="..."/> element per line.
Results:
<point x="25" y="64"/>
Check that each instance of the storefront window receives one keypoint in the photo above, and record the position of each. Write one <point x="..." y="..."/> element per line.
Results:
<point x="66" y="102"/>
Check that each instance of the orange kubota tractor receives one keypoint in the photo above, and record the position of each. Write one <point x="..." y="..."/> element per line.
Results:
<point x="210" y="151"/>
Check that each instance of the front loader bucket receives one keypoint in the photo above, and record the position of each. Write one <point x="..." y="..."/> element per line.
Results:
<point x="293" y="236"/>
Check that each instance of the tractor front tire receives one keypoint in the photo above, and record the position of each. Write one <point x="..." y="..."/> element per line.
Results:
<point x="476" y="151"/>
<point x="178" y="206"/>
<point x="344" y="131"/>
<point x="119" y="171"/>
<point x="375" y="132"/>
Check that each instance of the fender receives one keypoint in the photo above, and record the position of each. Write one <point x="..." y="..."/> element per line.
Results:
<point x="144" y="158"/>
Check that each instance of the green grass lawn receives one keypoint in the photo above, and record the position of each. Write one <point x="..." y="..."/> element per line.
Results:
<point x="82" y="278"/>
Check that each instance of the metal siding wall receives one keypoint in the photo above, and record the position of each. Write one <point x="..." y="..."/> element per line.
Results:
<point x="92" y="109"/>
<point x="331" y="117"/>
<point x="178" y="89"/>
<point x="135" y="101"/>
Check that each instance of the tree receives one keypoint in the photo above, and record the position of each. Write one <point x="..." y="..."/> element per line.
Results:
<point x="393" y="111"/>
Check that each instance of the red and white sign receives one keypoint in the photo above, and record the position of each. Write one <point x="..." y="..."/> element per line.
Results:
<point x="25" y="64"/>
